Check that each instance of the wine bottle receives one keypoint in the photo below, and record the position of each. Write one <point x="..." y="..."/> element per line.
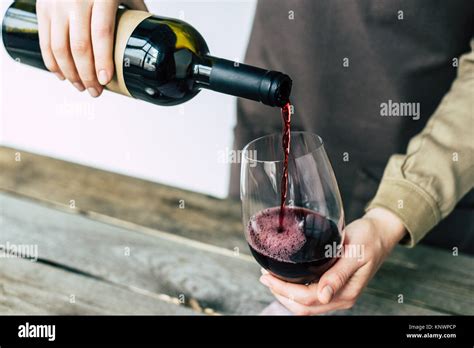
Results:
<point x="160" y="60"/>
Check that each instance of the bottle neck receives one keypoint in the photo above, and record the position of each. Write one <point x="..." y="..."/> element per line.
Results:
<point x="269" y="87"/>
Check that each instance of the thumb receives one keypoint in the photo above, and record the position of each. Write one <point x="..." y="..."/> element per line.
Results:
<point x="335" y="278"/>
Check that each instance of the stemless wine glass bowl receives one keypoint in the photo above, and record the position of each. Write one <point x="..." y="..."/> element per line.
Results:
<point x="307" y="242"/>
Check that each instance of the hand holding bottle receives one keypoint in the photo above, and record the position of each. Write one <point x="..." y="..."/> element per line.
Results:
<point x="77" y="39"/>
<point x="160" y="60"/>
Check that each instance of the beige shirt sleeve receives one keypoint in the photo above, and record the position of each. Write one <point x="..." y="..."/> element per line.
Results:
<point x="423" y="185"/>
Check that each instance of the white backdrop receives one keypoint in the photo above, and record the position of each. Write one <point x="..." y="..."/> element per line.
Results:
<point x="180" y="146"/>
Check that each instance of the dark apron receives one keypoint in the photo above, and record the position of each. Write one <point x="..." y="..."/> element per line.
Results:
<point x="403" y="60"/>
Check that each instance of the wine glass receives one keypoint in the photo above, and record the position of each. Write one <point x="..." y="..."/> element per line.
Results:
<point x="301" y="246"/>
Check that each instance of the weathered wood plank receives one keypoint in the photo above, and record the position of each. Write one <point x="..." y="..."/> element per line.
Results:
<point x="157" y="262"/>
<point x="128" y="199"/>
<point x="124" y="200"/>
<point x="429" y="277"/>
<point x="33" y="288"/>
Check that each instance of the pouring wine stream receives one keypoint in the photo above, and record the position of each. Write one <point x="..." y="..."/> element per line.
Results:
<point x="286" y="117"/>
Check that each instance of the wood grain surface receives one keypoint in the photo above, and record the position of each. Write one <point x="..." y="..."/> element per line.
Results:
<point x="137" y="236"/>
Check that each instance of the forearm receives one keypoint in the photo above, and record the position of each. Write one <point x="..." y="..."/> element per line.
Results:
<point x="389" y="224"/>
<point x="423" y="186"/>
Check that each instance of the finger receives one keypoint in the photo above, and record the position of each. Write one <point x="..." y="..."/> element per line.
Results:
<point x="136" y="5"/>
<point x="303" y="294"/>
<point x="44" y="33"/>
<point x="299" y="309"/>
<point x="81" y="47"/>
<point x="103" y="28"/>
<point x="61" y="50"/>
<point x="336" y="277"/>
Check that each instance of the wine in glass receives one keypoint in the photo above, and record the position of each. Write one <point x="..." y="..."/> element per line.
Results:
<point x="298" y="239"/>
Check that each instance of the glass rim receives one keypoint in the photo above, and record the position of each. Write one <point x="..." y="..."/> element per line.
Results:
<point x="314" y="135"/>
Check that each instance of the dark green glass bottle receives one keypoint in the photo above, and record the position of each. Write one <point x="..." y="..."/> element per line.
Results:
<point x="160" y="60"/>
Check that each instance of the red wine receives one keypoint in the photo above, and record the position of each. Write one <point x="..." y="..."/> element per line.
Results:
<point x="286" y="117"/>
<point x="296" y="250"/>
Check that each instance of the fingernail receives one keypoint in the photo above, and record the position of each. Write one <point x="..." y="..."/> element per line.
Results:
<point x="103" y="77"/>
<point x="93" y="92"/>
<point x="264" y="281"/>
<point x="79" y="86"/>
<point x="263" y="271"/>
<point x="326" y="294"/>
<point x="59" y="76"/>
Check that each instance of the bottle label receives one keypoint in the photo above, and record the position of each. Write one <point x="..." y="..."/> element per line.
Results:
<point x="127" y="22"/>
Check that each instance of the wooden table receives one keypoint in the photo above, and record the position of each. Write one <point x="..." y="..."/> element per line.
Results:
<point x="111" y="244"/>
